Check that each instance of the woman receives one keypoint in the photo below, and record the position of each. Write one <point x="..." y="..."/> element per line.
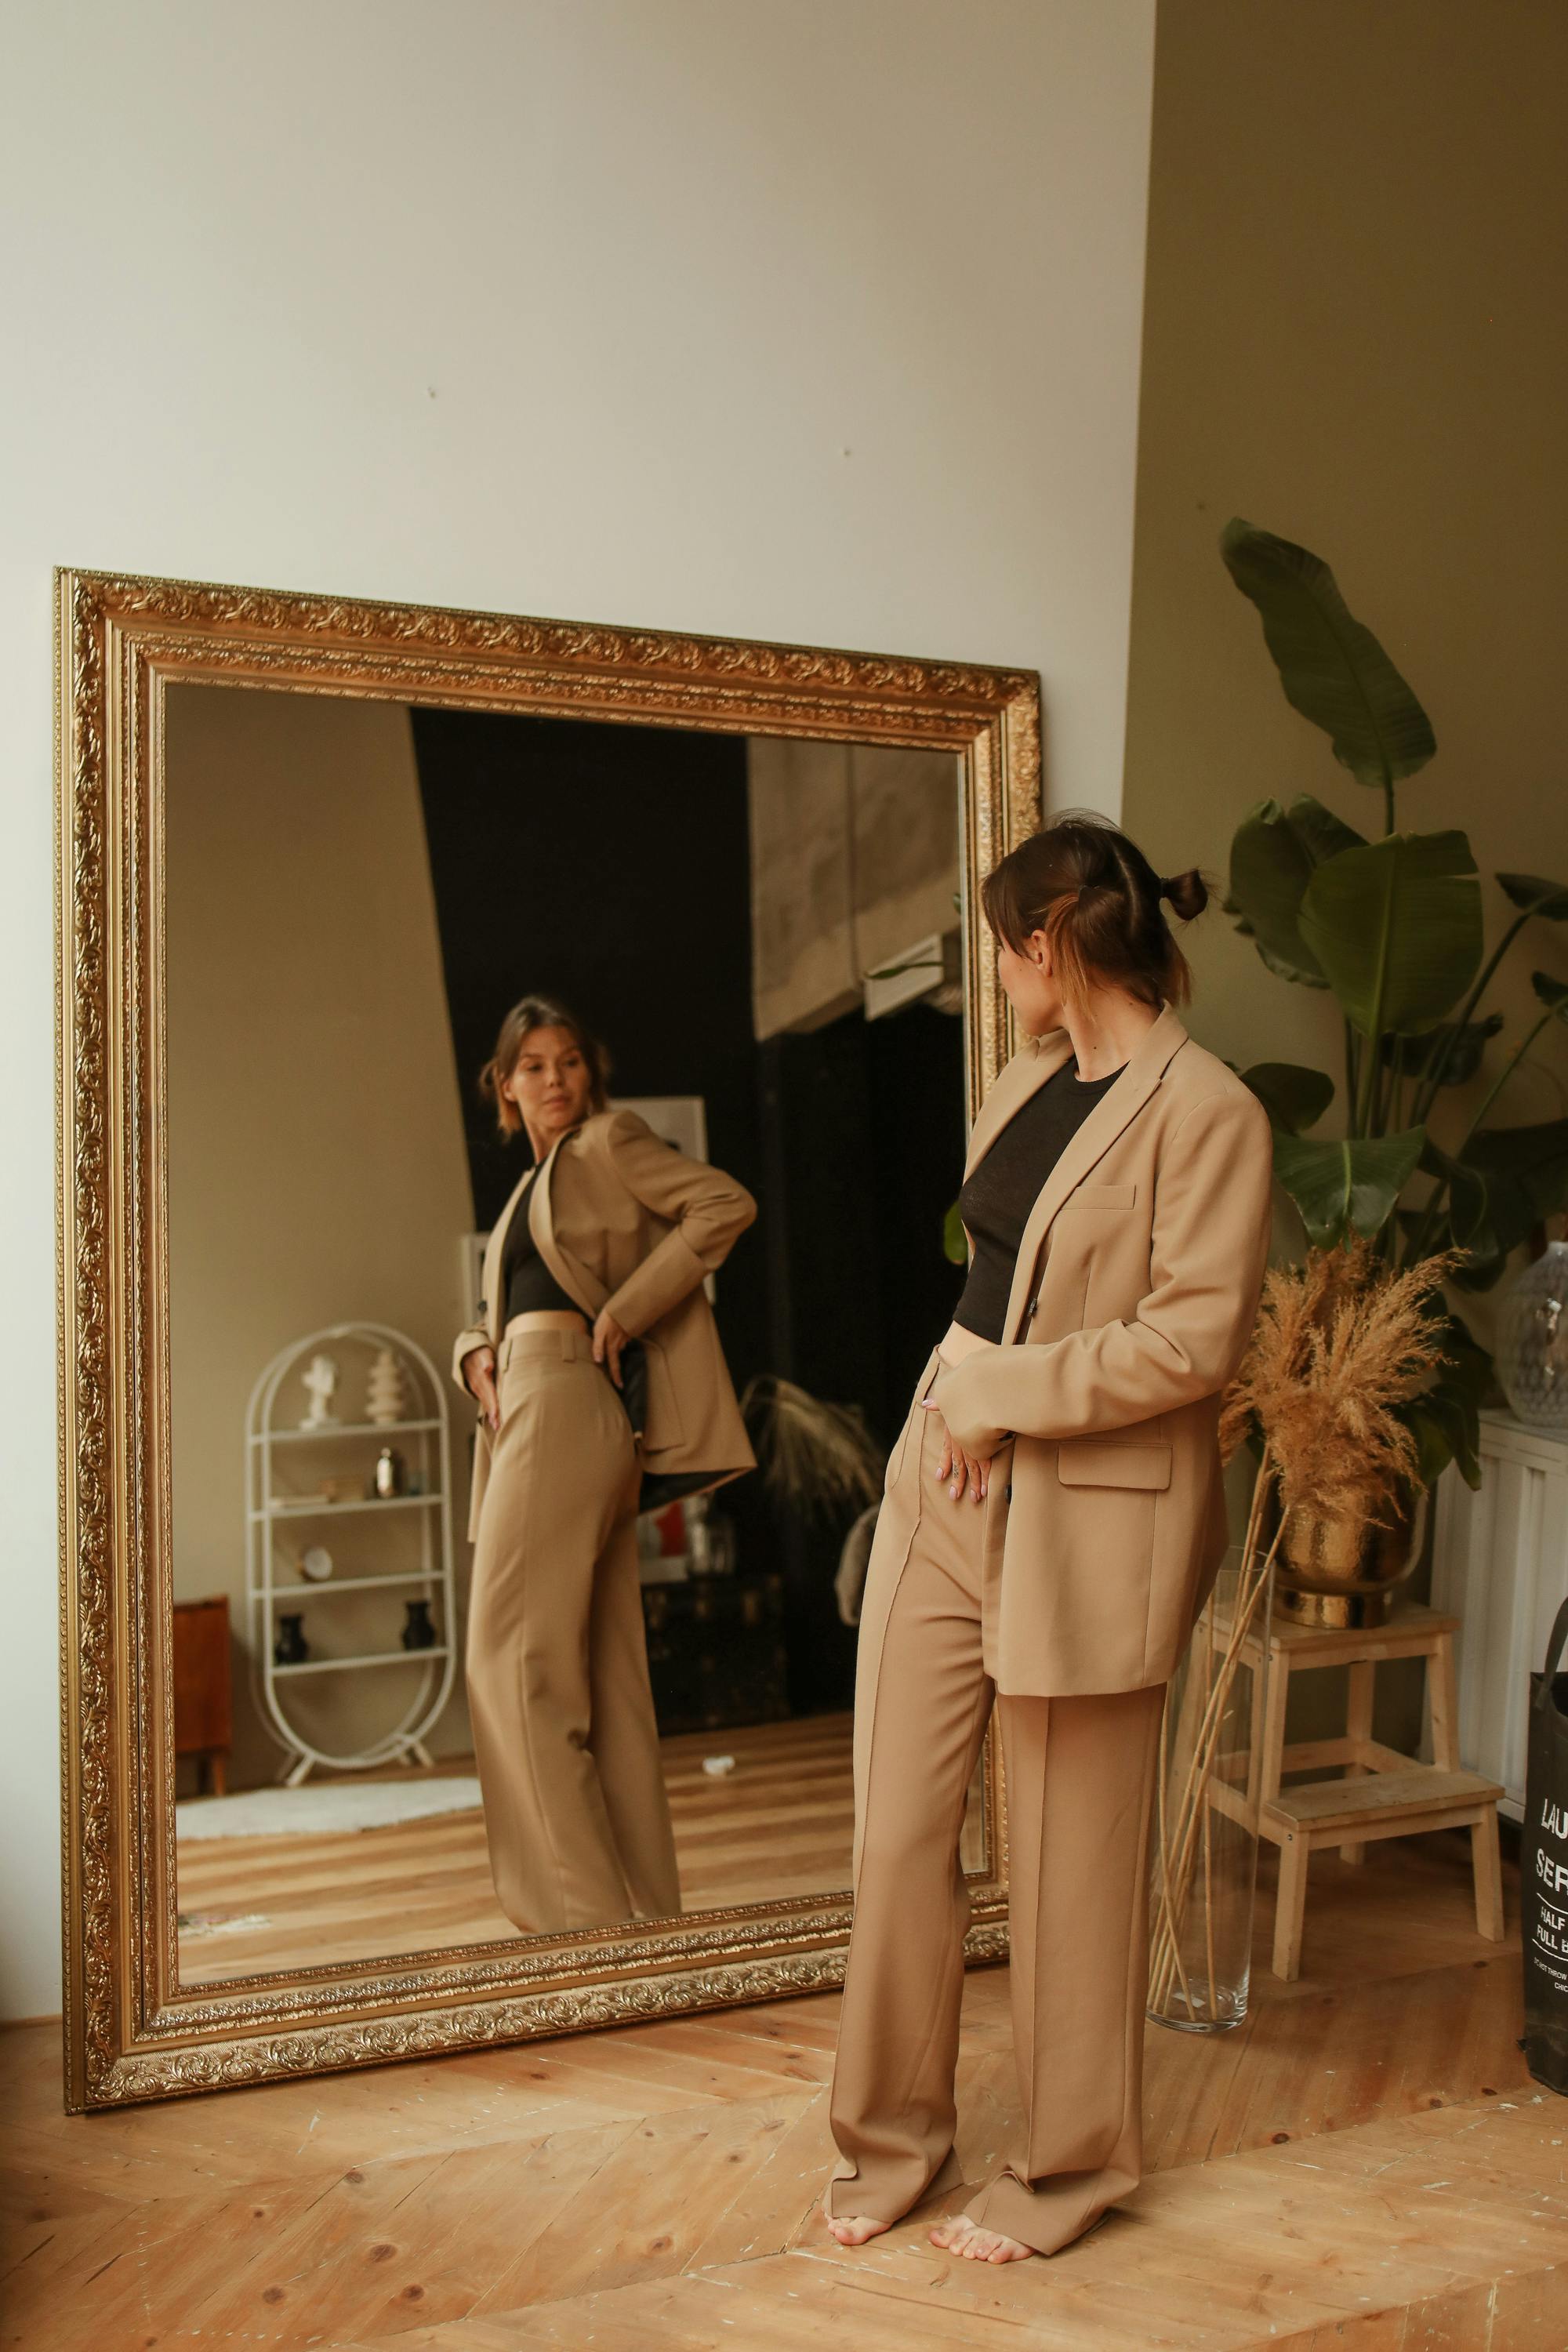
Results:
<point x="606" y="1238"/>
<point x="1053" y="1518"/>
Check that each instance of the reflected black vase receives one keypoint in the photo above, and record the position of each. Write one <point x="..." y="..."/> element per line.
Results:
<point x="419" y="1633"/>
<point x="289" y="1648"/>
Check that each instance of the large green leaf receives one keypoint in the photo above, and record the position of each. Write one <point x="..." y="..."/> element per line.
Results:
<point x="1468" y="1209"/>
<point x="1461" y="1044"/>
<point x="1346" y="1187"/>
<point x="1526" y="1173"/>
<point x="1395" y="928"/>
<point x="1273" y="857"/>
<point x="1332" y="668"/>
<point x="1536" y="897"/>
<point x="1293" y="1095"/>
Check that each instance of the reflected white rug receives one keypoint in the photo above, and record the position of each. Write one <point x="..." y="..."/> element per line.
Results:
<point x="322" y="1808"/>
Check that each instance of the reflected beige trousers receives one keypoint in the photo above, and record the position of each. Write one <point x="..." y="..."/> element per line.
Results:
<point x="575" y="1812"/>
<point x="1080" y="1780"/>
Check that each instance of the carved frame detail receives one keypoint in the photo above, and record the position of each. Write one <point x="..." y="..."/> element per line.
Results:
<point x="131" y="2032"/>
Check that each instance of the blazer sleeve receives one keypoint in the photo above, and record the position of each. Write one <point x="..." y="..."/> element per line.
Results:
<point x="475" y="1336"/>
<point x="708" y="1211"/>
<point x="1212" y="1224"/>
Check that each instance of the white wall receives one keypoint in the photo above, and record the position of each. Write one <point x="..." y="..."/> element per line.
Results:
<point x="799" y="318"/>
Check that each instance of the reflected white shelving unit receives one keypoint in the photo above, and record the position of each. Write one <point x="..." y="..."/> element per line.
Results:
<point x="278" y="1455"/>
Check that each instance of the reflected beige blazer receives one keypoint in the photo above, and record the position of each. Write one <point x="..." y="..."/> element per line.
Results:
<point x="624" y="1221"/>
<point x="1137" y="1286"/>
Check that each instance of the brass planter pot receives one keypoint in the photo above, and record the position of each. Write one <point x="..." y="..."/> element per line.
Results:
<point x="1342" y="1570"/>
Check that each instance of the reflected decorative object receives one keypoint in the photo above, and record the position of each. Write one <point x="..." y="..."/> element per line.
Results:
<point x="418" y="1632"/>
<point x="316" y="1564"/>
<point x="819" y="1458"/>
<point x="389" y="1472"/>
<point x="1532" y="1343"/>
<point x="291" y="1647"/>
<point x="709" y="1539"/>
<point x="386" y="1394"/>
<point x="1203" y="1872"/>
<point x="320" y="1378"/>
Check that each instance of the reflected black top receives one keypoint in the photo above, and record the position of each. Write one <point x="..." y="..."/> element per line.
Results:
<point x="995" y="1204"/>
<point x="526" y="1282"/>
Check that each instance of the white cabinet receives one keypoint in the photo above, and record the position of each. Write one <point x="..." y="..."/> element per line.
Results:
<point x="408" y="1555"/>
<point x="1501" y="1564"/>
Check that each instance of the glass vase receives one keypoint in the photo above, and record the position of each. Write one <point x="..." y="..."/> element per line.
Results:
<point x="1203" y="1838"/>
<point x="1532" y="1343"/>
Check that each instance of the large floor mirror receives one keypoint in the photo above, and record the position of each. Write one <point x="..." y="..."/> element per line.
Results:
<point x="312" y="854"/>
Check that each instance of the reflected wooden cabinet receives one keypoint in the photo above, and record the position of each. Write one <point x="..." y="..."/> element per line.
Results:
<point x="204" y="1690"/>
<point x="715" y="1651"/>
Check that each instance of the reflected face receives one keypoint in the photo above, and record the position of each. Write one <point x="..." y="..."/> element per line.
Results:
<point x="1029" y="984"/>
<point x="550" y="1084"/>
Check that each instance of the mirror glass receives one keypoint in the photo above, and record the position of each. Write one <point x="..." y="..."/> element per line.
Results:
<point x="641" y="1703"/>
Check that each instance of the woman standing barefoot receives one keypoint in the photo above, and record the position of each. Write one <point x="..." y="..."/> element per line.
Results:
<point x="1052" y="1522"/>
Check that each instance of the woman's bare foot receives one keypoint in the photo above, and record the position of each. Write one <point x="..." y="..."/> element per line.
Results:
<point x="852" y="2229"/>
<point x="962" y="2236"/>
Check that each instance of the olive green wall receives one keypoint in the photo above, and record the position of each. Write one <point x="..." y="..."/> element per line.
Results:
<point x="1355" y="335"/>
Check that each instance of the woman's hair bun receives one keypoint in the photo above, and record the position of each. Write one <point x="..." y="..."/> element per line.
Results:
<point x="1188" y="893"/>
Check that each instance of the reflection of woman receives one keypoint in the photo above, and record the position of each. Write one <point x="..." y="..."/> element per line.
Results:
<point x="606" y="1238"/>
<point x="1052" y="1520"/>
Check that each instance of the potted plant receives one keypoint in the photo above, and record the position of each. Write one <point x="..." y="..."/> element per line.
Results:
<point x="1389" y="923"/>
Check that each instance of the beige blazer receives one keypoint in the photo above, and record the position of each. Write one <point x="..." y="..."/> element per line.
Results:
<point x="1137" y="1286"/>
<point x="624" y="1221"/>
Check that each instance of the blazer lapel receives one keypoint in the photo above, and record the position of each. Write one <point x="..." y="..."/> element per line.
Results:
<point x="1111" y="1113"/>
<point x="575" y="1277"/>
<point x="1021" y="1078"/>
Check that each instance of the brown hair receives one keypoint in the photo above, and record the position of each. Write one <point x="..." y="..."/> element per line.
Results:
<point x="1097" y="898"/>
<point x="528" y="1013"/>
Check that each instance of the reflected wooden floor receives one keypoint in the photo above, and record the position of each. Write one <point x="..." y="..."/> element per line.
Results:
<point x="780" y="1824"/>
<point x="1363" y="2166"/>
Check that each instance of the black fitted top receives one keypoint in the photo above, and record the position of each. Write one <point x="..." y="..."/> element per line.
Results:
<point x="995" y="1204"/>
<point x="526" y="1282"/>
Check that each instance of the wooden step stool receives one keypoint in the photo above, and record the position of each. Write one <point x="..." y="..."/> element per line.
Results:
<point x="1384" y="1794"/>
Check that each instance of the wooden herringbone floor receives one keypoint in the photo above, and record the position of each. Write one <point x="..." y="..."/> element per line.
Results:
<point x="1365" y="2166"/>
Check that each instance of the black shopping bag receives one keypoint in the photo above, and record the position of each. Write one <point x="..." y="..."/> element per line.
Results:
<point x="1543" y="1873"/>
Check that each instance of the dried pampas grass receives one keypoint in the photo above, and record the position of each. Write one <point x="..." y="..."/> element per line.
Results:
<point x="1340" y="1345"/>
<point x="818" y="1457"/>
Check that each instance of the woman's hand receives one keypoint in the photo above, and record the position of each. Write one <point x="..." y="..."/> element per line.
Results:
<point x="480" y="1372"/>
<point x="961" y="1473"/>
<point x="609" y="1338"/>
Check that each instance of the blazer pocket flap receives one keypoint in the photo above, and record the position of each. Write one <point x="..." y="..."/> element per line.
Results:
<point x="1112" y="1462"/>
<point x="1101" y="1196"/>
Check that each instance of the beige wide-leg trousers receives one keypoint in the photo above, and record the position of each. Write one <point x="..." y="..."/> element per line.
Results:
<point x="1080" y="1778"/>
<point x="577" y="1816"/>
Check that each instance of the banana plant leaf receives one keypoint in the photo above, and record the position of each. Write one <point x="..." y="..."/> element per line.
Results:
<point x="1396" y="928"/>
<point x="1293" y="1095"/>
<point x="1526" y="1174"/>
<point x="1348" y="1186"/>
<point x="1554" y="994"/>
<point x="1274" y="855"/>
<point x="1468" y="1213"/>
<point x="1462" y="1043"/>
<point x="1533" y="896"/>
<point x="1332" y="668"/>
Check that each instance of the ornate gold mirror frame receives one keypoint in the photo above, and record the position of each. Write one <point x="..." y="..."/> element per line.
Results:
<point x="131" y="2033"/>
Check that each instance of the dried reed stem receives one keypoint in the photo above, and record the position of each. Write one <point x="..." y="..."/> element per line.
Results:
<point x="1178" y="1841"/>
